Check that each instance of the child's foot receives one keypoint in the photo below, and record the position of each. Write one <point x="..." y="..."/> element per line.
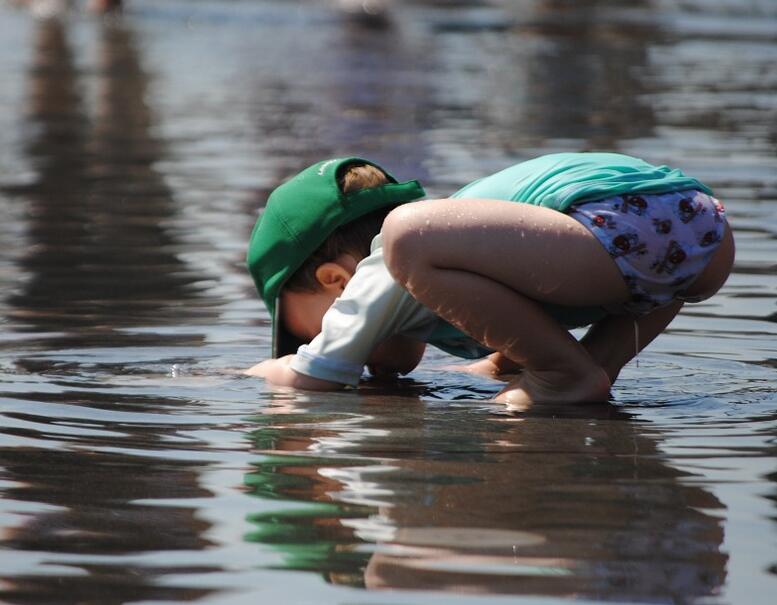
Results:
<point x="483" y="367"/>
<point x="555" y="387"/>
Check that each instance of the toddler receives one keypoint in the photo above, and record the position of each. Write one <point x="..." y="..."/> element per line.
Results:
<point x="353" y="274"/>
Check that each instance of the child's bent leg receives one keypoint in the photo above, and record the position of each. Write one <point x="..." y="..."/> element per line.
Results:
<point x="557" y="367"/>
<point x="612" y="342"/>
<point x="482" y="265"/>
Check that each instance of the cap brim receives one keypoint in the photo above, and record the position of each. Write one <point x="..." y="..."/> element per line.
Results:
<point x="283" y="343"/>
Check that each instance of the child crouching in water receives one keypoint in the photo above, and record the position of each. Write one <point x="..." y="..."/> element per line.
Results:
<point x="353" y="274"/>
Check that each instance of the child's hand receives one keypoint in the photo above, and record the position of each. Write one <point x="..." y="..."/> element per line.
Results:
<point x="265" y="368"/>
<point x="279" y="372"/>
<point x="495" y="366"/>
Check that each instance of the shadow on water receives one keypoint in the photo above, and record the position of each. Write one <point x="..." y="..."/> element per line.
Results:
<point x="398" y="494"/>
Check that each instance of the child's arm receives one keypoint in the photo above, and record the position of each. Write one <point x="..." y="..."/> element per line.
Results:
<point x="396" y="355"/>
<point x="279" y="373"/>
<point x="363" y="327"/>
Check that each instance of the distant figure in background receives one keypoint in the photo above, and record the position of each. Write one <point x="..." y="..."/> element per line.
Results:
<point x="47" y="9"/>
<point x="105" y="6"/>
<point x="371" y="13"/>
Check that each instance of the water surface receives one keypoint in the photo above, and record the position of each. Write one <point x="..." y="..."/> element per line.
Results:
<point x="135" y="467"/>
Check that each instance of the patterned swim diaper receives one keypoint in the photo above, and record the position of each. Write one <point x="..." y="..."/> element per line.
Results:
<point x="660" y="242"/>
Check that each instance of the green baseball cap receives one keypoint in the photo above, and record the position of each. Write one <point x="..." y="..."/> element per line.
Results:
<point x="299" y="216"/>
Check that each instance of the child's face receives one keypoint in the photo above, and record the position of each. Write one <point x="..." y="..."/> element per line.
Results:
<point x="302" y="312"/>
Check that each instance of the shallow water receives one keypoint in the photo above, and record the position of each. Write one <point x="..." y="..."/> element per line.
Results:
<point x="135" y="467"/>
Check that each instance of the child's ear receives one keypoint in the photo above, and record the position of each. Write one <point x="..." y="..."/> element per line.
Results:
<point x="333" y="276"/>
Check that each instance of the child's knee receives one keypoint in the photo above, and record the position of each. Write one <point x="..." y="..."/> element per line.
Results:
<point x="402" y="233"/>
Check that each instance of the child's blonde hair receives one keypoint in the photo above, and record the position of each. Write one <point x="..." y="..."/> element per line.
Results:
<point x="352" y="238"/>
<point x="361" y="176"/>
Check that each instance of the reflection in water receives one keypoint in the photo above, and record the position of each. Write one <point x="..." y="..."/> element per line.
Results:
<point x="99" y="256"/>
<point x="90" y="508"/>
<point x="458" y="499"/>
<point x="379" y="107"/>
<point x="361" y="97"/>
<point x="99" y="259"/>
<point x="589" y="69"/>
<point x="560" y="76"/>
